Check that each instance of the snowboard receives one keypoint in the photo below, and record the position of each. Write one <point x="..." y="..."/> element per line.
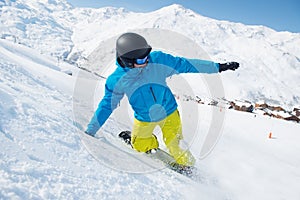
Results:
<point x="163" y="156"/>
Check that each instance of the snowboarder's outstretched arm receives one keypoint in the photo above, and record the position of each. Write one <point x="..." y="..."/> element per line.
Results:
<point x="186" y="65"/>
<point x="106" y="106"/>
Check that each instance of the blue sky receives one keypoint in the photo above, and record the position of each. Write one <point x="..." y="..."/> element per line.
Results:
<point x="281" y="15"/>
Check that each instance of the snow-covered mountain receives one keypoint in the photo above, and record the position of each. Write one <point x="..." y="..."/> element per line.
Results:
<point x="42" y="154"/>
<point x="270" y="60"/>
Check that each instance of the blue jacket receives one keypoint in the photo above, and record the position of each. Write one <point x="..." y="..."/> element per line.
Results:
<point x="146" y="88"/>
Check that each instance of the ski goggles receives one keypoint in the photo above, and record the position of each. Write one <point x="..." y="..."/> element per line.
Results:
<point x="128" y="62"/>
<point x="141" y="61"/>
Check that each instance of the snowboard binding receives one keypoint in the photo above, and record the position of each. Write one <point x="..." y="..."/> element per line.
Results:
<point x="126" y="136"/>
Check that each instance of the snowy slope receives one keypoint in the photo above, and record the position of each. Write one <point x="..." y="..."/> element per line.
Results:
<point x="44" y="155"/>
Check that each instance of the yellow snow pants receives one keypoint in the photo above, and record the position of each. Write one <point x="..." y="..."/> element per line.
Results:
<point x="143" y="140"/>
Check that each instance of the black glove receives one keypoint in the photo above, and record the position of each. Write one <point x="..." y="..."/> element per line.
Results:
<point x="90" y="134"/>
<point x="229" y="65"/>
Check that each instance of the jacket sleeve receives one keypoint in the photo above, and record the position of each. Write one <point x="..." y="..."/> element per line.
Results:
<point x="106" y="106"/>
<point x="185" y="65"/>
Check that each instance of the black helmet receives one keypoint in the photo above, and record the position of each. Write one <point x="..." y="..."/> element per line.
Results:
<point x="129" y="47"/>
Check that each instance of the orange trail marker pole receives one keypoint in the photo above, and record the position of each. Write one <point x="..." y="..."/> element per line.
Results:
<point x="270" y="135"/>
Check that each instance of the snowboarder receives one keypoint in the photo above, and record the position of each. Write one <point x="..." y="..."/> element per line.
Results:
<point x="141" y="75"/>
